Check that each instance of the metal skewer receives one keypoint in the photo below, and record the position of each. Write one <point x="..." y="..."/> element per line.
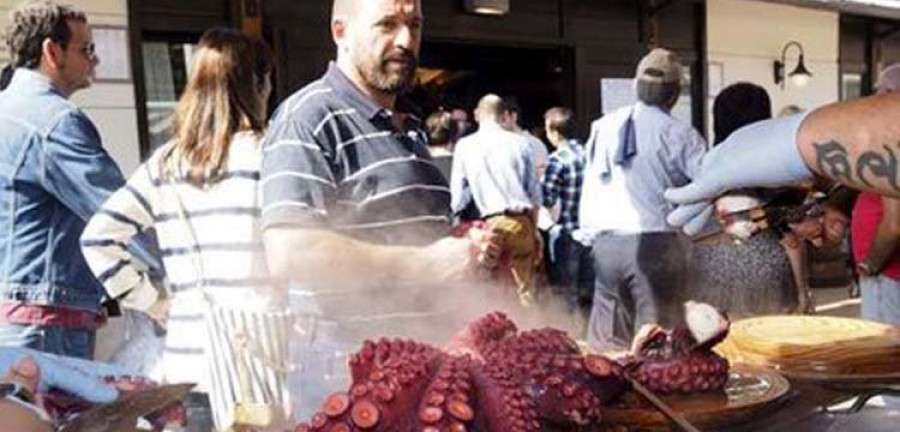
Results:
<point x="671" y="414"/>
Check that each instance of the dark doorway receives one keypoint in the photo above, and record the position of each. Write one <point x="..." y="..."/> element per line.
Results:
<point x="457" y="75"/>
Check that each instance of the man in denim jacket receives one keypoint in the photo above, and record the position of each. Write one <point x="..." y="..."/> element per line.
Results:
<point x="54" y="175"/>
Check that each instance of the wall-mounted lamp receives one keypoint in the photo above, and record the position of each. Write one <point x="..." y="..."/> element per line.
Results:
<point x="800" y="76"/>
<point x="486" y="7"/>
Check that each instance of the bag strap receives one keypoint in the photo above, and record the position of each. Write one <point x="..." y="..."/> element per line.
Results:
<point x="245" y="344"/>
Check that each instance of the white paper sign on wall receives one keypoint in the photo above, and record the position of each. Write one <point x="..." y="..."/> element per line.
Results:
<point x="112" y="49"/>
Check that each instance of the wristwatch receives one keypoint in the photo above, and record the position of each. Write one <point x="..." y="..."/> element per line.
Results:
<point x="16" y="390"/>
<point x="864" y="269"/>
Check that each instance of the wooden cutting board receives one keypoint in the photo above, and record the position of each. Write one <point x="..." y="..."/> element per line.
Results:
<point x="749" y="392"/>
<point x="815" y="347"/>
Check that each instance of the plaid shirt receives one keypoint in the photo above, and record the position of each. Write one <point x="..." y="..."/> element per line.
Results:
<point x="562" y="181"/>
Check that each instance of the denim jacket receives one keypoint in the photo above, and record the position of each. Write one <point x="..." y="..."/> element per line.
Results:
<point x="54" y="175"/>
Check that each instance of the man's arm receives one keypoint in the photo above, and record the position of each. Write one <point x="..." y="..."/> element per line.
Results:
<point x="856" y="143"/>
<point x="887" y="237"/>
<point x="79" y="172"/>
<point x="321" y="260"/>
<point x="551" y="181"/>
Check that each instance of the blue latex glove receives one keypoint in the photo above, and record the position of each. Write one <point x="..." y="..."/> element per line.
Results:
<point x="763" y="154"/>
<point x="80" y="378"/>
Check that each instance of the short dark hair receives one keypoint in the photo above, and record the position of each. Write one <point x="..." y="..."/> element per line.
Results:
<point x="658" y="94"/>
<point x="32" y="23"/>
<point x="562" y="121"/>
<point x="511" y="105"/>
<point x="737" y="106"/>
<point x="442" y="129"/>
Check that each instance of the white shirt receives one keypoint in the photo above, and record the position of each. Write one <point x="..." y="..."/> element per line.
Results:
<point x="541" y="155"/>
<point x="629" y="198"/>
<point x="496" y="168"/>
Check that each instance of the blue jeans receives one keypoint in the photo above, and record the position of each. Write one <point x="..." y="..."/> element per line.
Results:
<point x="880" y="299"/>
<point x="72" y="342"/>
<point x="570" y="270"/>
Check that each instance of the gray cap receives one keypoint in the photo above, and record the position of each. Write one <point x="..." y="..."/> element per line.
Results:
<point x="889" y="80"/>
<point x="659" y="66"/>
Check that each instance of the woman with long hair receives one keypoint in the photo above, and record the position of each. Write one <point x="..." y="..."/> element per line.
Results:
<point x="199" y="193"/>
<point x="764" y="274"/>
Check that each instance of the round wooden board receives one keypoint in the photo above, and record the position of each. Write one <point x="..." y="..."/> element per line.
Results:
<point x="817" y="348"/>
<point x="750" y="391"/>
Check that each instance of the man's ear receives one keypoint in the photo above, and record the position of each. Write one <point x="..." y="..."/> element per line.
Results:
<point x="339" y="30"/>
<point x="51" y="53"/>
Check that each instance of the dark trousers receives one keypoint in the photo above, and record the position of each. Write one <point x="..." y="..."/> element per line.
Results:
<point x="639" y="279"/>
<point x="570" y="270"/>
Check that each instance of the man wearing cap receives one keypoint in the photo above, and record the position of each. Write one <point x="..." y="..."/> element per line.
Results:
<point x="633" y="155"/>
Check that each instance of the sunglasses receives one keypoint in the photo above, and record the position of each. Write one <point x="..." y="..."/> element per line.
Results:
<point x="90" y="50"/>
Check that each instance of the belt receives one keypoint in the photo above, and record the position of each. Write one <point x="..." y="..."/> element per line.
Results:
<point x="20" y="313"/>
<point x="508" y="213"/>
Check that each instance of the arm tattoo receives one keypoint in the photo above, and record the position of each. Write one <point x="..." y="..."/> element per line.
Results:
<point x="833" y="160"/>
<point x="880" y="165"/>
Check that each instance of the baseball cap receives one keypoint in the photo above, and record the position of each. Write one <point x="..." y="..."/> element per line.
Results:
<point x="659" y="66"/>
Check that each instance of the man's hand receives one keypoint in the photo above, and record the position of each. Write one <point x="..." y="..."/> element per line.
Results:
<point x="829" y="229"/>
<point x="80" y="378"/>
<point x="488" y="245"/>
<point x="763" y="154"/>
<point x="18" y="417"/>
<point x="447" y="260"/>
<point x="159" y="312"/>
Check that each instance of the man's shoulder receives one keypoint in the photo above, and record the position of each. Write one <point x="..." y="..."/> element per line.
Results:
<point x="308" y="106"/>
<point x="42" y="112"/>
<point x="675" y="129"/>
<point x="612" y="119"/>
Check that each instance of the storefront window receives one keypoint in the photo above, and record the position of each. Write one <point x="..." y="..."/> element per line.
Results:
<point x="166" y="69"/>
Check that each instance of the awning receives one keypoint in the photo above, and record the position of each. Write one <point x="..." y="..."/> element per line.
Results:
<point x="889" y="9"/>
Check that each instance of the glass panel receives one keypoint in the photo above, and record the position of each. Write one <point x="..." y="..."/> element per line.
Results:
<point x="851" y="86"/>
<point x="166" y="69"/>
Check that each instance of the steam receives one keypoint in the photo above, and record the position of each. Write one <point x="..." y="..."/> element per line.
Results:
<point x="331" y="325"/>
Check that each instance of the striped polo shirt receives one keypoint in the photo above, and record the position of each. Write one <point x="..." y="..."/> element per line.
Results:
<point x="333" y="159"/>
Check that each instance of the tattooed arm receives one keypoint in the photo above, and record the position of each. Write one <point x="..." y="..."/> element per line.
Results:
<point x="856" y="143"/>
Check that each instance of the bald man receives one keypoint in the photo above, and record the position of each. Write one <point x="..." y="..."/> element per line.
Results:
<point x="353" y="209"/>
<point x="496" y="168"/>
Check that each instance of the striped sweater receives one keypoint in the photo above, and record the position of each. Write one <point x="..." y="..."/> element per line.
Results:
<point x="225" y="218"/>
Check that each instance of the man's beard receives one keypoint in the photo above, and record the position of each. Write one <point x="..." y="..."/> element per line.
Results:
<point x="391" y="75"/>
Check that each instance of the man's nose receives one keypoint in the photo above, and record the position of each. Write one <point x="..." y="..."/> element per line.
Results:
<point x="404" y="37"/>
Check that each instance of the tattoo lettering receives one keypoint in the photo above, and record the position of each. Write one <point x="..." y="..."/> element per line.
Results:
<point x="833" y="160"/>
<point x="879" y="165"/>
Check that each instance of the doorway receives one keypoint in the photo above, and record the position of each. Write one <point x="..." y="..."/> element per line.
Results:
<point x="456" y="75"/>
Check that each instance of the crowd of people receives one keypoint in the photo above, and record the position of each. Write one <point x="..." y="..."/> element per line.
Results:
<point x="345" y="201"/>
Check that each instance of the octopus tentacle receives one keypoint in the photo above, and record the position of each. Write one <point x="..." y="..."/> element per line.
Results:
<point x="446" y="404"/>
<point x="479" y="334"/>
<point x="398" y="373"/>
<point x="503" y="404"/>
